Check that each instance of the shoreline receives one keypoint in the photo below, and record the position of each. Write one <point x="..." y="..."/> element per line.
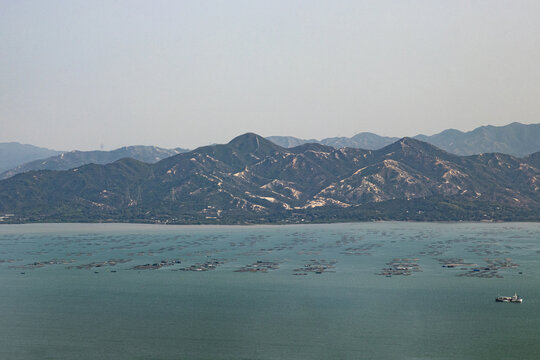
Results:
<point x="262" y="225"/>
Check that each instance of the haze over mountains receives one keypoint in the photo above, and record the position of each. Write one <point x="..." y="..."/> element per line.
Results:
<point x="69" y="160"/>
<point x="252" y="180"/>
<point x="13" y="154"/>
<point x="513" y="139"/>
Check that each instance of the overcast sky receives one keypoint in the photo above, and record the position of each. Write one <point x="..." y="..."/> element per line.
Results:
<point x="85" y="74"/>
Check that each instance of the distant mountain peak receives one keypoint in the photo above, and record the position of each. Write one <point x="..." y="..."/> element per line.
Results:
<point x="407" y="142"/>
<point x="249" y="136"/>
<point x="412" y="142"/>
<point x="409" y="146"/>
<point x="251" y="143"/>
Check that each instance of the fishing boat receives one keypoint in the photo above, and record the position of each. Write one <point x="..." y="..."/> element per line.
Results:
<point x="515" y="298"/>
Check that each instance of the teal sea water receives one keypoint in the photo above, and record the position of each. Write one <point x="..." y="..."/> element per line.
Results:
<point x="370" y="291"/>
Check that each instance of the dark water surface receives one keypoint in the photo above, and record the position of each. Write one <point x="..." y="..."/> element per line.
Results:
<point x="371" y="291"/>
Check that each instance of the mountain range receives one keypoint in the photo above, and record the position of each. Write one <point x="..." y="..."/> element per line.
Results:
<point x="252" y="180"/>
<point x="72" y="159"/>
<point x="13" y="154"/>
<point x="513" y="139"/>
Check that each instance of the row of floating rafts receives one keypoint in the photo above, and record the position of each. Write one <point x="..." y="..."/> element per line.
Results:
<point x="404" y="267"/>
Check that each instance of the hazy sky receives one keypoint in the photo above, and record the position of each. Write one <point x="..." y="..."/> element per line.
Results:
<point x="78" y="74"/>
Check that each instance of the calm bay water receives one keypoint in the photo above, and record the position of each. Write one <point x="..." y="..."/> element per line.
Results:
<point x="77" y="291"/>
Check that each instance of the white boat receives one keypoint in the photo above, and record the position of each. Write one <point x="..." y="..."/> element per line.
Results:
<point x="515" y="298"/>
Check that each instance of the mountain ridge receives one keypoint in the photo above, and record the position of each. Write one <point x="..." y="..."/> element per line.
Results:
<point x="515" y="139"/>
<point x="13" y="154"/>
<point x="76" y="158"/>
